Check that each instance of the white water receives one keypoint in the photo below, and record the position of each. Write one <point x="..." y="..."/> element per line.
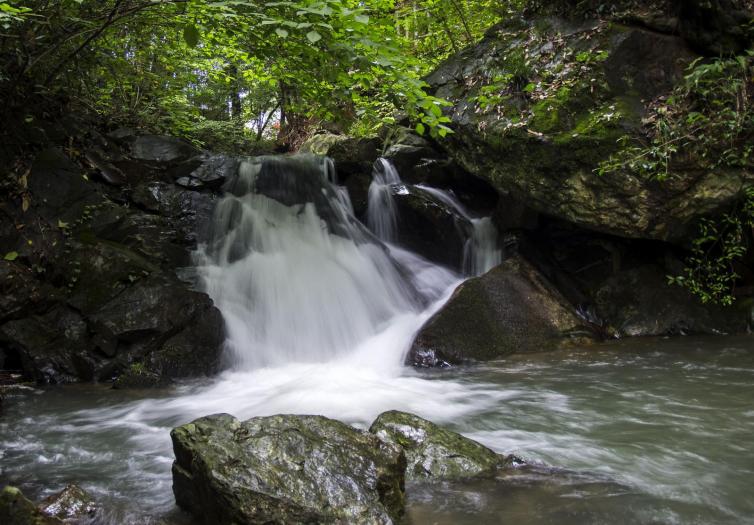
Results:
<point x="382" y="217"/>
<point x="482" y="251"/>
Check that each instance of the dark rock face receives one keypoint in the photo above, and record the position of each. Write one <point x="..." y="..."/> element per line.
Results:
<point x="542" y="149"/>
<point x="286" y="469"/>
<point x="512" y="308"/>
<point x="639" y="302"/>
<point x="93" y="285"/>
<point x="433" y="453"/>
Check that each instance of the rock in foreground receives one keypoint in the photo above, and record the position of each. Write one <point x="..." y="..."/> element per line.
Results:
<point x="284" y="470"/>
<point x="15" y="509"/>
<point x="433" y="453"/>
<point x="512" y="308"/>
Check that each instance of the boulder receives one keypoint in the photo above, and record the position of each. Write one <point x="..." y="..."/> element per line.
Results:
<point x="540" y="133"/>
<point x="640" y="302"/>
<point x="433" y="453"/>
<point x="72" y="503"/>
<point x="161" y="149"/>
<point x="211" y="173"/>
<point x="512" y="308"/>
<point x="286" y="469"/>
<point x="15" y="509"/>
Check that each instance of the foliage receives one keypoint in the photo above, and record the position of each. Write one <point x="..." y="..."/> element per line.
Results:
<point x="170" y="65"/>
<point x="711" y="269"/>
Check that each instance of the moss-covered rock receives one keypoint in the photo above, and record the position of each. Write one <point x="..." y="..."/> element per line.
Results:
<point x="512" y="308"/>
<point x="433" y="453"/>
<point x="284" y="470"/>
<point x="539" y="104"/>
<point x="15" y="509"/>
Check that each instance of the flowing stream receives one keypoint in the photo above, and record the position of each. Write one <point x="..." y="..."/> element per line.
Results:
<point x="320" y="312"/>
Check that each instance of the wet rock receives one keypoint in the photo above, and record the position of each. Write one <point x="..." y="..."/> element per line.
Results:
<point x="15" y="509"/>
<point x="20" y="292"/>
<point x="430" y="227"/>
<point x="161" y="149"/>
<point x="110" y="173"/>
<point x="72" y="503"/>
<point x="433" y="453"/>
<point x="640" y="302"/>
<point x="510" y="309"/>
<point x="210" y="174"/>
<point x="286" y="469"/>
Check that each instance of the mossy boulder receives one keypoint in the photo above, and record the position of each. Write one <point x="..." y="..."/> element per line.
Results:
<point x="539" y="104"/>
<point x="15" y="509"/>
<point x="436" y="454"/>
<point x="511" y="309"/>
<point x="286" y="469"/>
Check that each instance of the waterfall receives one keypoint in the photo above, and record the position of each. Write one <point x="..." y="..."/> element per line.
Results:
<point x="382" y="218"/>
<point x="481" y="250"/>
<point x="296" y="276"/>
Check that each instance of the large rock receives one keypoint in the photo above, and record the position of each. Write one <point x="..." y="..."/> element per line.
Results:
<point x="433" y="453"/>
<point x="539" y="104"/>
<point x="285" y="470"/>
<point x="512" y="308"/>
<point x="161" y="148"/>
<point x="640" y="302"/>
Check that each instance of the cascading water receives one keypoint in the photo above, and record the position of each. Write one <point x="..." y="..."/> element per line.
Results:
<point x="481" y="251"/>
<point x="382" y="217"/>
<point x="290" y="289"/>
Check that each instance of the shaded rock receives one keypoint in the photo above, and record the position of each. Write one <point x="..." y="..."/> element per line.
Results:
<point x="161" y="148"/>
<point x="15" y="509"/>
<point x="52" y="347"/>
<point x="430" y="227"/>
<point x="321" y="143"/>
<point x="58" y="188"/>
<point x="72" y="502"/>
<point x="433" y="453"/>
<point x="110" y="173"/>
<point x="286" y="469"/>
<point x="20" y="292"/>
<point x="512" y="308"/>
<point x="146" y="318"/>
<point x="640" y="302"/>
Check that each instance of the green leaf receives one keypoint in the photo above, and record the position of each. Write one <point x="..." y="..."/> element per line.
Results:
<point x="282" y="33"/>
<point x="313" y="36"/>
<point x="11" y="256"/>
<point x="420" y="128"/>
<point x="191" y="35"/>
<point x="362" y="19"/>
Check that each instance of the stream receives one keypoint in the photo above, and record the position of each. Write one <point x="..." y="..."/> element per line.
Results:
<point x="320" y="311"/>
